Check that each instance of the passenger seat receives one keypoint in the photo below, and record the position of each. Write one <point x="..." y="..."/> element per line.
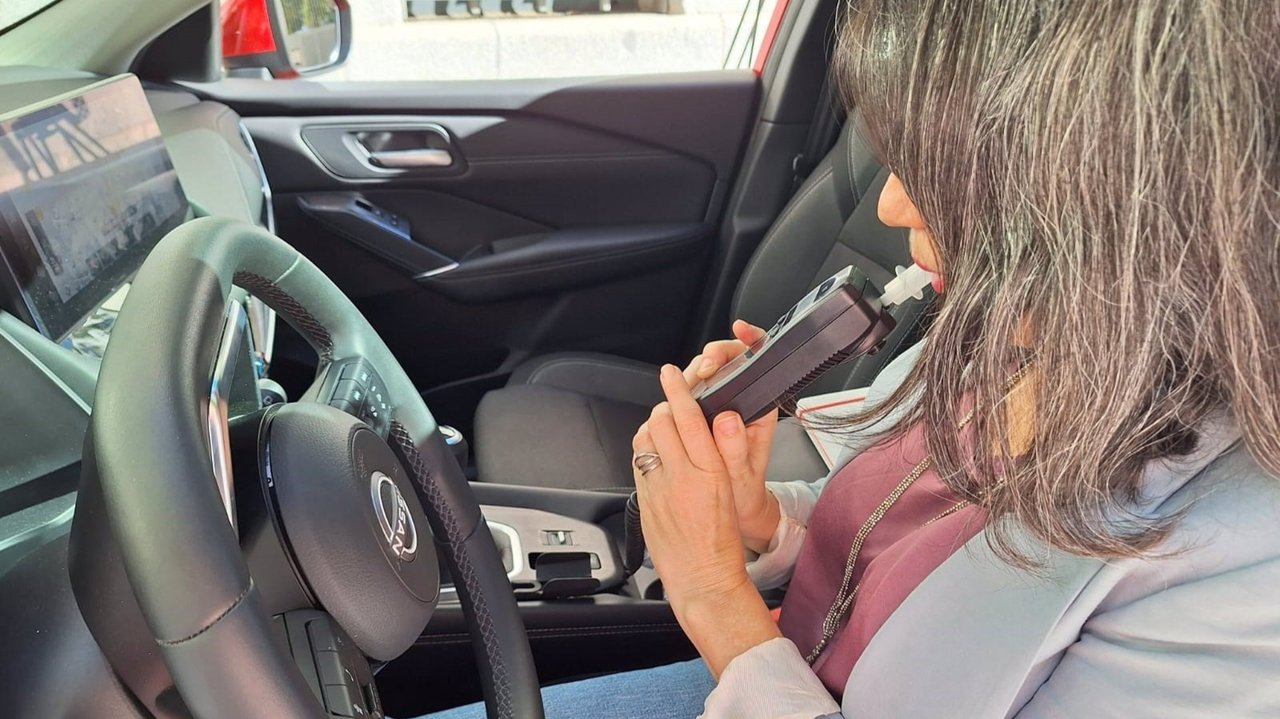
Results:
<point x="566" y="419"/>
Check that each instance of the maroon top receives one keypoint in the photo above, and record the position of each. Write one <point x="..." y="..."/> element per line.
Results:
<point x="896" y="557"/>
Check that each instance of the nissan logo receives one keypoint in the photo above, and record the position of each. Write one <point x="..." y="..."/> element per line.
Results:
<point x="393" y="517"/>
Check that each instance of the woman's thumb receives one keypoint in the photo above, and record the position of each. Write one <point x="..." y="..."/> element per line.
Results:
<point x="731" y="439"/>
<point x="746" y="332"/>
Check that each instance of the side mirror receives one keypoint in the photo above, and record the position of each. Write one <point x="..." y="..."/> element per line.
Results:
<point x="287" y="38"/>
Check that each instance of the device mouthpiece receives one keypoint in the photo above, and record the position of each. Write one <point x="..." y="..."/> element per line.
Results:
<point x="909" y="284"/>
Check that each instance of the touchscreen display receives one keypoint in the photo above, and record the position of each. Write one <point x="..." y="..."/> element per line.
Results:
<point x="86" y="190"/>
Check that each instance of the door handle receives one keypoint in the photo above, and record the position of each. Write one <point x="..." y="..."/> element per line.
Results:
<point x="410" y="159"/>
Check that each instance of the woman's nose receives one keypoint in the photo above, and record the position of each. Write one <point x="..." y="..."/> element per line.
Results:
<point x="895" y="208"/>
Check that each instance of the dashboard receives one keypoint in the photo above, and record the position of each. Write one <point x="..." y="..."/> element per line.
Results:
<point x="94" y="171"/>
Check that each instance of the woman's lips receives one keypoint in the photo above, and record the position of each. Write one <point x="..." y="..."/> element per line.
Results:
<point x="937" y="278"/>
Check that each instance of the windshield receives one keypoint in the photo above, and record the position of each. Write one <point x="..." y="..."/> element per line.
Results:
<point x="13" y="12"/>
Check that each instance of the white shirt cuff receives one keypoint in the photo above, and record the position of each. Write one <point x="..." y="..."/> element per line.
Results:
<point x="773" y="568"/>
<point x="770" y="681"/>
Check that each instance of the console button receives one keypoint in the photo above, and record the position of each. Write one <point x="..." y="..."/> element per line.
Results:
<point x="557" y="537"/>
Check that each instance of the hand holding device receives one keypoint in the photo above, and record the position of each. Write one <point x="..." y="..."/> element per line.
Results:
<point x="718" y="353"/>
<point x="746" y="461"/>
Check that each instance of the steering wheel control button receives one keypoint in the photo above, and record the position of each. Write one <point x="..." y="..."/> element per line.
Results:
<point x="361" y="374"/>
<point x="329" y="666"/>
<point x="351" y="391"/>
<point x="365" y="396"/>
<point x="353" y="526"/>
<point x="344" y="405"/>
<point x="339" y="701"/>
<point x="324" y="639"/>
<point x="393" y="517"/>
<point x="341" y="679"/>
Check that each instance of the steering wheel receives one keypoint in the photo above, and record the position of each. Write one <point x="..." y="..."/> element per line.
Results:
<point x="342" y="515"/>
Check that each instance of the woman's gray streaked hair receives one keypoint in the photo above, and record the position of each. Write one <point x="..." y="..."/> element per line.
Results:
<point x="1102" y="178"/>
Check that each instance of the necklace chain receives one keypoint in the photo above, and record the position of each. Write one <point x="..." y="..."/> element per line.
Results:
<point x="845" y="596"/>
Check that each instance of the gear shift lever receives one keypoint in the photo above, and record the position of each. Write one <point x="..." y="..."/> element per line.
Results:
<point x="457" y="444"/>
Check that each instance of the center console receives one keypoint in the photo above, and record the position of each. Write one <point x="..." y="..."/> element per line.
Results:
<point x="550" y="555"/>
<point x="584" y="616"/>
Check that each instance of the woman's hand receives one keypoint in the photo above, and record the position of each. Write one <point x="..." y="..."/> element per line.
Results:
<point x="757" y="508"/>
<point x="690" y="525"/>
<point x="718" y="353"/>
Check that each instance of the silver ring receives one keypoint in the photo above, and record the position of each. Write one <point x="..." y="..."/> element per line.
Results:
<point x="646" y="462"/>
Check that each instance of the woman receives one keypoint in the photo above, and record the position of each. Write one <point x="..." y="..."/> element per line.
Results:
<point x="1064" y="503"/>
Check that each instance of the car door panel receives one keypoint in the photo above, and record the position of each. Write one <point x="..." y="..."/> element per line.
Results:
<point x="571" y="215"/>
<point x="546" y="171"/>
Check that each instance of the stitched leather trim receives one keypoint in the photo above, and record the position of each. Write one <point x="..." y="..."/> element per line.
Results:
<point x="452" y="541"/>
<point x="285" y="304"/>
<point x="234" y="603"/>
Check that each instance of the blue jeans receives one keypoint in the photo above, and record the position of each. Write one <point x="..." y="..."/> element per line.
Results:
<point x="676" y="691"/>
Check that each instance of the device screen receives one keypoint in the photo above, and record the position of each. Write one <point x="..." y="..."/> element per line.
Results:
<point x="86" y="191"/>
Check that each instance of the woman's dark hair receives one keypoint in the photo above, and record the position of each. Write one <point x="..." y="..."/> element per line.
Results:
<point x="1102" y="179"/>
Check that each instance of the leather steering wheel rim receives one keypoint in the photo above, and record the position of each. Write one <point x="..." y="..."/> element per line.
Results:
<point x="181" y="556"/>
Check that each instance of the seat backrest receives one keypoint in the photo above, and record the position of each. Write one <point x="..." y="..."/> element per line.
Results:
<point x="830" y="223"/>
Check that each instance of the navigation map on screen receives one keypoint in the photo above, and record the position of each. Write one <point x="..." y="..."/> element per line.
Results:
<point x="86" y="190"/>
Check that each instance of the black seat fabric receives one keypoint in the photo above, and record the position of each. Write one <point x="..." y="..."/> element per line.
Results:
<point x="567" y="419"/>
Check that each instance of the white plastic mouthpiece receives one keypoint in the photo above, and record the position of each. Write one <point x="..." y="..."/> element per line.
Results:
<point x="909" y="284"/>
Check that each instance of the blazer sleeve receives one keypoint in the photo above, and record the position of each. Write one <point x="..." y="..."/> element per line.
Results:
<point x="796" y="499"/>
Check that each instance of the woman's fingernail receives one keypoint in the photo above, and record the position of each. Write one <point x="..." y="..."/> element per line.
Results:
<point x="706" y="366"/>
<point x="729" y="423"/>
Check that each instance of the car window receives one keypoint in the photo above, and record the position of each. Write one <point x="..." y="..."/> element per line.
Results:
<point x="500" y="39"/>
<point x="13" y="12"/>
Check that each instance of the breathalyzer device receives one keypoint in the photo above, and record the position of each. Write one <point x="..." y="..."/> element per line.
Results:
<point x="840" y="319"/>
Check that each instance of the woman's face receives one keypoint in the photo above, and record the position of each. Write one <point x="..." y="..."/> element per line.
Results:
<point x="897" y="210"/>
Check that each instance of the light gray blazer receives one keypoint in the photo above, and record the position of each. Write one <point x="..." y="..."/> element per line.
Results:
<point x="1195" y="634"/>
